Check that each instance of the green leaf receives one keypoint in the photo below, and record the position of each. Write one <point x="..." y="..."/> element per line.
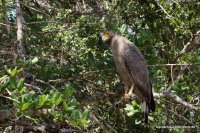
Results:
<point x="42" y="100"/>
<point x="130" y="113"/>
<point x="150" y="118"/>
<point x="73" y="102"/>
<point x="71" y="108"/>
<point x="159" y="110"/>
<point x="25" y="106"/>
<point x="68" y="91"/>
<point x="20" y="83"/>
<point x="84" y="122"/>
<point x="35" y="60"/>
<point x="7" y="70"/>
<point x="13" y="83"/>
<point x="28" y="97"/>
<point x="13" y="72"/>
<point x="23" y="89"/>
<point x="59" y="100"/>
<point x="123" y="28"/>
<point x="64" y="105"/>
<point x="134" y="104"/>
<point x="137" y="121"/>
<point x="56" y="98"/>
<point x="75" y="115"/>
<point x="128" y="107"/>
<point x="85" y="114"/>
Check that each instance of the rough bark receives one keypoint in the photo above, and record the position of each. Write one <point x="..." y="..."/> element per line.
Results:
<point x="19" y="42"/>
<point x="6" y="22"/>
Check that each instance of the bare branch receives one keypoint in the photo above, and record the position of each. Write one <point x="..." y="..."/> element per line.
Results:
<point x="34" y="9"/>
<point x="33" y="86"/>
<point x="9" y="98"/>
<point x="157" y="65"/>
<point x="194" y="40"/>
<point x="44" y="4"/>
<point x="162" y="8"/>
<point x="175" y="98"/>
<point x="194" y="43"/>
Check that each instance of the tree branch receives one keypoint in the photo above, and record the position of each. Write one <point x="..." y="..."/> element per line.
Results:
<point x="194" y="41"/>
<point x="162" y="8"/>
<point x="172" y="96"/>
<point x="157" y="65"/>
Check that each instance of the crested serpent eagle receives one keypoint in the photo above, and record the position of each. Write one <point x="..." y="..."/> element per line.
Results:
<point x="133" y="70"/>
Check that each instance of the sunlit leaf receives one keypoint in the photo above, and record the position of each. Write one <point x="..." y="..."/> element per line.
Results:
<point x="25" y="106"/>
<point x="23" y="89"/>
<point x="20" y="83"/>
<point x="42" y="100"/>
<point x="35" y="60"/>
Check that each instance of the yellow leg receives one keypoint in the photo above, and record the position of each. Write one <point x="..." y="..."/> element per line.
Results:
<point x="128" y="92"/>
<point x="131" y="90"/>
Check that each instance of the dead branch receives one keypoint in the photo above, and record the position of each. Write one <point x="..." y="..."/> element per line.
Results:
<point x="9" y="98"/>
<point x="32" y="8"/>
<point x="162" y="8"/>
<point x="172" y="96"/>
<point x="158" y="65"/>
<point x="33" y="86"/>
<point x="194" y="43"/>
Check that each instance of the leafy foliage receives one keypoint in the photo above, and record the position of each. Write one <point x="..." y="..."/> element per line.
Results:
<point x="60" y="103"/>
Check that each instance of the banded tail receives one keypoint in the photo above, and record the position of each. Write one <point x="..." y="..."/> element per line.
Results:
<point x="146" y="108"/>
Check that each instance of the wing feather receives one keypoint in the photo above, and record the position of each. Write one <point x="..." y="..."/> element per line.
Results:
<point x="138" y="69"/>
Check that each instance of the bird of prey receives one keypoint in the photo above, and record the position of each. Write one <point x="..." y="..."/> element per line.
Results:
<point x="133" y="70"/>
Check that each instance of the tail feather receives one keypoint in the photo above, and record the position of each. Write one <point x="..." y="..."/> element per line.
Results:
<point x="152" y="105"/>
<point x="144" y="109"/>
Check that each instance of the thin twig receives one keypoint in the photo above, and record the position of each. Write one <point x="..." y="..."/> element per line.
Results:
<point x="173" y="65"/>
<point x="172" y="74"/>
<point x="169" y="16"/>
<point x="34" y="9"/>
<point x="97" y="117"/>
<point x="175" y="98"/>
<point x="32" y="86"/>
<point x="9" y="98"/>
<point x="41" y="81"/>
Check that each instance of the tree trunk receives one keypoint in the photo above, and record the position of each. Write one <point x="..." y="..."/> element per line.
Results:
<point x="4" y="10"/>
<point x="19" y="43"/>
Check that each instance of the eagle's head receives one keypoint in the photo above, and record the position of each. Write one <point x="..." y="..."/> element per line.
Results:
<point x="106" y="36"/>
